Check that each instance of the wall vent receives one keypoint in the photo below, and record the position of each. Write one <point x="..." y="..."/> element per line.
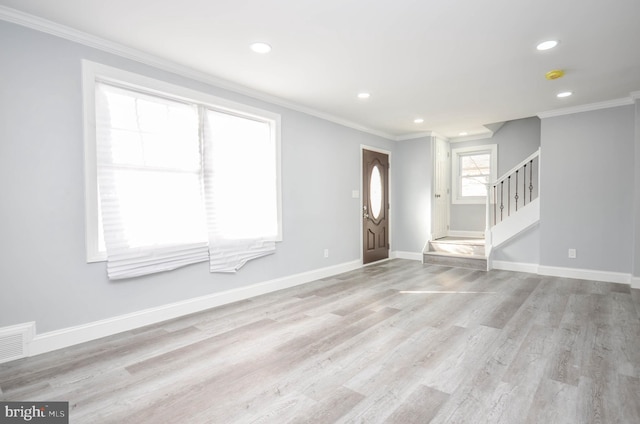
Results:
<point x="14" y="341"/>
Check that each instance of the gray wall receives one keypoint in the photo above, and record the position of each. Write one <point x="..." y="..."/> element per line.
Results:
<point x="413" y="172"/>
<point x="587" y="190"/>
<point x="43" y="272"/>
<point x="516" y="140"/>
<point x="524" y="248"/>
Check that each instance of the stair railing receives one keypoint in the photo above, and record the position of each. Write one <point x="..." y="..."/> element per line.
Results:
<point x="515" y="189"/>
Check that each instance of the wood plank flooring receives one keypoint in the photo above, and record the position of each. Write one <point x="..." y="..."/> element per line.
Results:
<point x="396" y="342"/>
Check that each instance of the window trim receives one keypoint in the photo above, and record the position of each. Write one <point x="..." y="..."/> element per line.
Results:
<point x="92" y="72"/>
<point x="456" y="154"/>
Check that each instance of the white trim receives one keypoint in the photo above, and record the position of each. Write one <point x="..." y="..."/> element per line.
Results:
<point x="390" y="227"/>
<point x="456" y="153"/>
<point x="581" y="274"/>
<point x="375" y="149"/>
<point x="93" y="72"/>
<point x="527" y="217"/>
<point x="421" y="135"/>
<point x="515" y="266"/>
<point x="68" y="33"/>
<point x="470" y="234"/>
<point x="515" y="168"/>
<point x="586" y="108"/>
<point x="91" y="230"/>
<point x="434" y="182"/>
<point x="585" y="274"/>
<point x="635" y="95"/>
<point x="412" y="256"/>
<point x="70" y="336"/>
<point x="480" y="136"/>
<point x="414" y="136"/>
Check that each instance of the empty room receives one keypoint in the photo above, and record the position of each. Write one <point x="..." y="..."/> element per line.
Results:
<point x="319" y="212"/>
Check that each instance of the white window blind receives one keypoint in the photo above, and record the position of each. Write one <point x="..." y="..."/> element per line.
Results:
<point x="149" y="175"/>
<point x="242" y="216"/>
<point x="175" y="176"/>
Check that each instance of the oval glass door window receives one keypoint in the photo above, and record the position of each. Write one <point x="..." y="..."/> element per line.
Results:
<point x="375" y="192"/>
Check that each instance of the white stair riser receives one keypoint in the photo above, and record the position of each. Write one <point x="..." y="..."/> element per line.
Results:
<point x="460" y="249"/>
<point x="452" y="261"/>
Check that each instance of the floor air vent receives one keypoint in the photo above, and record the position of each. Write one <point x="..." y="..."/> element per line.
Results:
<point x="14" y="341"/>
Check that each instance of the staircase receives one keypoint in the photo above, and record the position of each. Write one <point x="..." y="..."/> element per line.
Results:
<point x="457" y="252"/>
<point x="512" y="206"/>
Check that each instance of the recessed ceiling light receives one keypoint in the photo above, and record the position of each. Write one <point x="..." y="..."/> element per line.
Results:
<point x="546" y="45"/>
<point x="364" y="95"/>
<point x="418" y="120"/>
<point x="564" y="94"/>
<point x="261" y="48"/>
<point x="463" y="133"/>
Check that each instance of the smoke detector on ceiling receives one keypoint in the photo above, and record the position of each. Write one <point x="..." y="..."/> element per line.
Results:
<point x="555" y="74"/>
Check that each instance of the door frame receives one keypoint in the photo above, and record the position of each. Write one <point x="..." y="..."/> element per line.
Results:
<point x="434" y="140"/>
<point x="360" y="205"/>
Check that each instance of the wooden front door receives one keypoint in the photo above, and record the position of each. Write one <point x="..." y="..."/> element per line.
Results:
<point x="375" y="206"/>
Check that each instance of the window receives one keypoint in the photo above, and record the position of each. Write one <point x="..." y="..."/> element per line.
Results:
<point x="473" y="168"/>
<point x="175" y="176"/>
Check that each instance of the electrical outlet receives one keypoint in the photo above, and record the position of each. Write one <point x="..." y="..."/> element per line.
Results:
<point x="572" y="253"/>
<point x="326" y="253"/>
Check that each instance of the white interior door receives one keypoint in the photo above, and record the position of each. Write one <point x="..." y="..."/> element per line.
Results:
<point x="441" y="185"/>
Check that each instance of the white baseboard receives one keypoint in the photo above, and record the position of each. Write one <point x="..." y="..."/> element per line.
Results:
<point x="582" y="274"/>
<point x="66" y="337"/>
<point x="59" y="339"/>
<point x="515" y="266"/>
<point x="470" y="234"/>
<point x="585" y="274"/>
<point x="414" y="256"/>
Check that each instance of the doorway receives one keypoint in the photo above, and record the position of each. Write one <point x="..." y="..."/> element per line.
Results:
<point x="375" y="206"/>
<point x="441" y="191"/>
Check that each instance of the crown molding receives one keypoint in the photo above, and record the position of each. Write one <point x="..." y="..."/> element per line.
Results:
<point x="414" y="136"/>
<point x="588" y="107"/>
<point x="480" y="136"/>
<point x="422" y="135"/>
<point x="71" y="34"/>
<point x="440" y="136"/>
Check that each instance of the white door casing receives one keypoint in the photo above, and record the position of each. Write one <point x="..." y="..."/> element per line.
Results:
<point x="441" y="191"/>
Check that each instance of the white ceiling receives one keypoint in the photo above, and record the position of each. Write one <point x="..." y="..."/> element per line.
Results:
<point x="458" y="64"/>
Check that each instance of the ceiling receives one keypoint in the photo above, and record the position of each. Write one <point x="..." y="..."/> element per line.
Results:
<point x="457" y="64"/>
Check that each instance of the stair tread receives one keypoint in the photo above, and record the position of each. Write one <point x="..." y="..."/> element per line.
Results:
<point x="466" y="242"/>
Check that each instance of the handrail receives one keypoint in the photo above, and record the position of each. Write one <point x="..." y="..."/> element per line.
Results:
<point x="515" y="168"/>
<point x="499" y="183"/>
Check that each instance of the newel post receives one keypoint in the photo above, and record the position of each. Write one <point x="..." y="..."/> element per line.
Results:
<point x="487" y="228"/>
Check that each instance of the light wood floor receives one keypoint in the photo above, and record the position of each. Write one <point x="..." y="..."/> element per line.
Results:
<point x="398" y="342"/>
